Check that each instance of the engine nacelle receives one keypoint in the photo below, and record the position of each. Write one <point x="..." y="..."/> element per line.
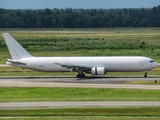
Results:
<point x="98" y="71"/>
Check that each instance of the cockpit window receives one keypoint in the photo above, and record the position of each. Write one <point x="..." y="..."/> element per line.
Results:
<point x="151" y="61"/>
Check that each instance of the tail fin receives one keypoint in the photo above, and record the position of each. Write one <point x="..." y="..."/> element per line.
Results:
<point x="16" y="50"/>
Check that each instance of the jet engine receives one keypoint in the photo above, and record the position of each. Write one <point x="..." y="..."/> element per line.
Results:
<point x="98" y="71"/>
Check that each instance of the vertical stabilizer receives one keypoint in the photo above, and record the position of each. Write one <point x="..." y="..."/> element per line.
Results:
<point x="16" y="50"/>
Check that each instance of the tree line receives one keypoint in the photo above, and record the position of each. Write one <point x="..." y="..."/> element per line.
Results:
<point x="80" y="18"/>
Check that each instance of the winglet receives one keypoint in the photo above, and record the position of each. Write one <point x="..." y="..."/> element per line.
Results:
<point x="16" y="50"/>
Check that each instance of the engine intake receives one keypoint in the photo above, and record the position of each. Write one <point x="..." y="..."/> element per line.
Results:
<point x="98" y="71"/>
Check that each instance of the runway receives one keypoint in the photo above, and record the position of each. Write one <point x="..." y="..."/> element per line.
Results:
<point x="82" y="104"/>
<point x="89" y="82"/>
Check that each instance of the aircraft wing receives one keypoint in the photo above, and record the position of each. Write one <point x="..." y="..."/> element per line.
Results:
<point x="75" y="67"/>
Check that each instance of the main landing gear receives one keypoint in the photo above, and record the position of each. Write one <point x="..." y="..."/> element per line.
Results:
<point x="145" y="74"/>
<point x="80" y="74"/>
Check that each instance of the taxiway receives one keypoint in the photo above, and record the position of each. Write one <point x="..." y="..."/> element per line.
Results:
<point x="79" y="104"/>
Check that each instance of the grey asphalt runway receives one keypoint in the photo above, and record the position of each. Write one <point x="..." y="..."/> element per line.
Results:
<point x="88" y="82"/>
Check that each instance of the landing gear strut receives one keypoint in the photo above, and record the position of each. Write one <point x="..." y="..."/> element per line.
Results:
<point x="80" y="74"/>
<point x="145" y="74"/>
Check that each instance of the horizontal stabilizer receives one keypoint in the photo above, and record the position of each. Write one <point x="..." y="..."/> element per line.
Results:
<point x="15" y="62"/>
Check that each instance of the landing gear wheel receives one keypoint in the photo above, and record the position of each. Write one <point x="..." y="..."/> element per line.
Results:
<point x="83" y="75"/>
<point x="145" y="75"/>
<point x="80" y="75"/>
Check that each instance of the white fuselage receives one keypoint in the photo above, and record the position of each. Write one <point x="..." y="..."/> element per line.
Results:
<point x="112" y="64"/>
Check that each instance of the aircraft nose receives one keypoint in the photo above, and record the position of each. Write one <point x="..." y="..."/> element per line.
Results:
<point x="156" y="64"/>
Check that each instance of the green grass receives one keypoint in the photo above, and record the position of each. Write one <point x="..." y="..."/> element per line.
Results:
<point x="83" y="118"/>
<point x="82" y="114"/>
<point x="109" y="39"/>
<point x="76" y="94"/>
<point x="133" y="112"/>
<point x="116" y="41"/>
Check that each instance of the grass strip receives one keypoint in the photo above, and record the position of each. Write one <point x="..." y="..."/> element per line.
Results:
<point x="14" y="94"/>
<point x="82" y="118"/>
<point x="143" y="112"/>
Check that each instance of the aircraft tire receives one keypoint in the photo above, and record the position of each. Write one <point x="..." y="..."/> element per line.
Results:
<point x="80" y="76"/>
<point x="145" y="75"/>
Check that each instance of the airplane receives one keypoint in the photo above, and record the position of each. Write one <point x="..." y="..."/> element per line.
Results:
<point x="92" y="65"/>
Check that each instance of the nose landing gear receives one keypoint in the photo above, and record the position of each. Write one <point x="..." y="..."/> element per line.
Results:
<point x="145" y="74"/>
